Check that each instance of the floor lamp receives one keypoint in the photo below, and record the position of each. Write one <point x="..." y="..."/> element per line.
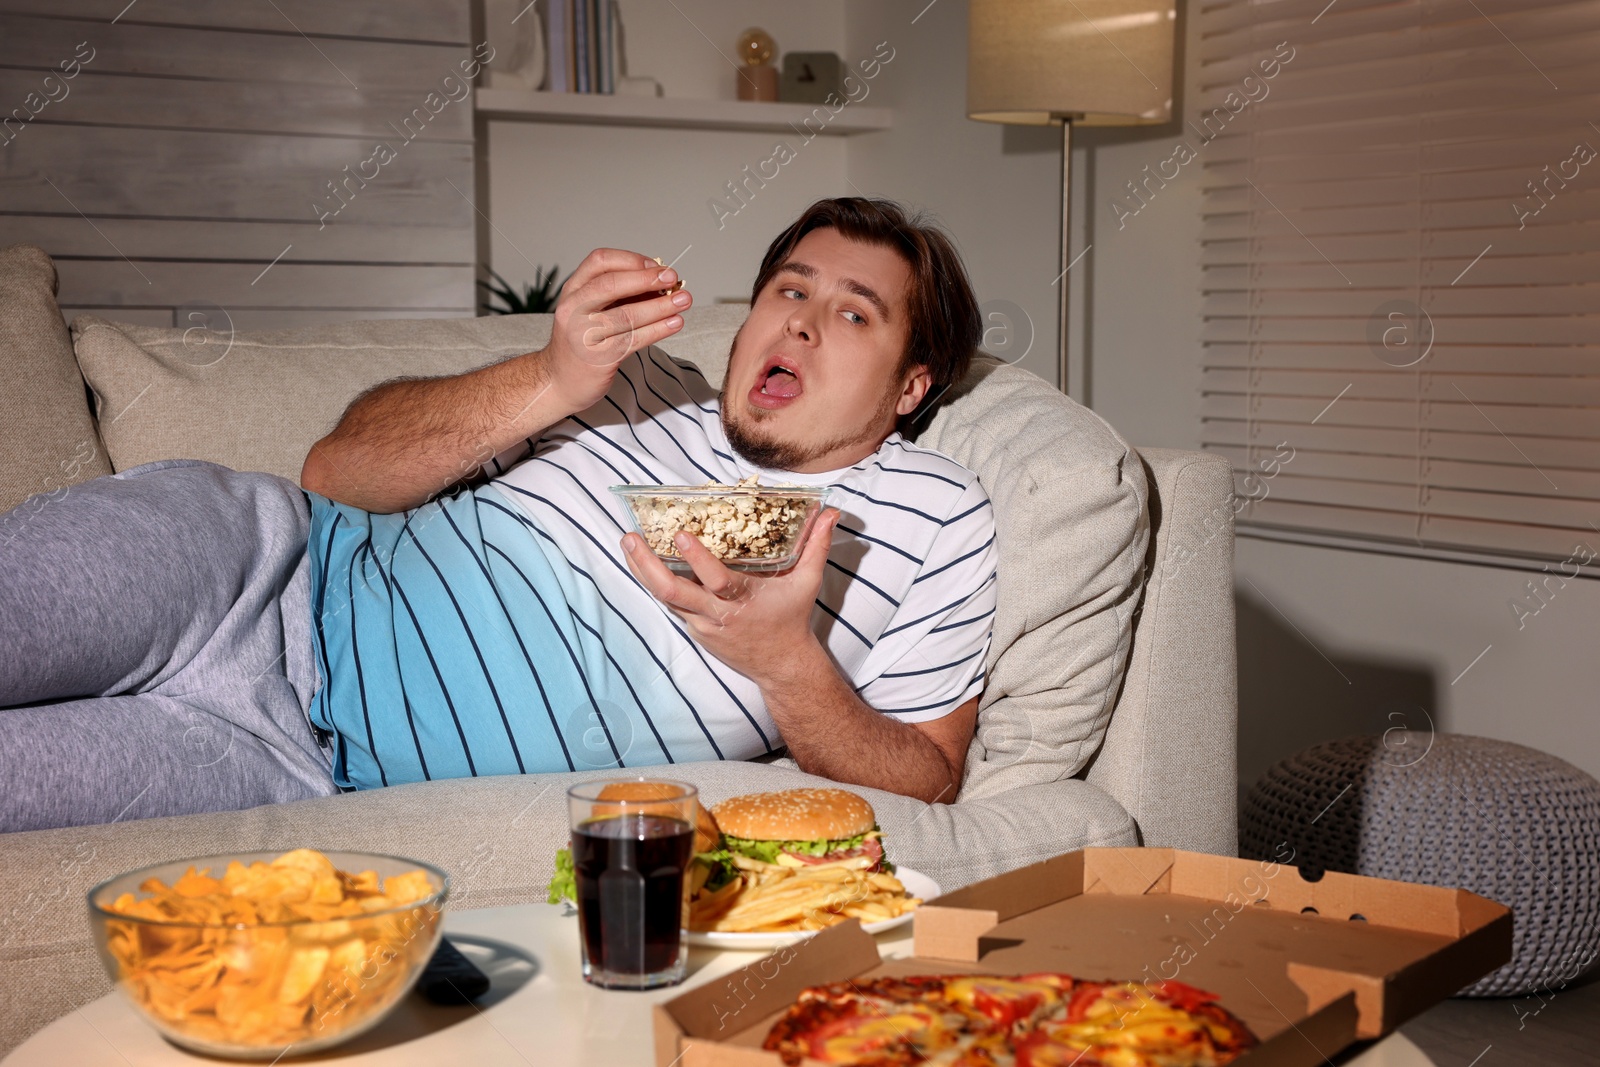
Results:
<point x="1072" y="62"/>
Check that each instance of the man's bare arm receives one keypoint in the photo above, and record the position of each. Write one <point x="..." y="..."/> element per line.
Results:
<point x="403" y="442"/>
<point x="400" y="444"/>
<point x="832" y="732"/>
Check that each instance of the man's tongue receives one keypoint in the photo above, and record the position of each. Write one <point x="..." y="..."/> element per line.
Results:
<point x="782" y="383"/>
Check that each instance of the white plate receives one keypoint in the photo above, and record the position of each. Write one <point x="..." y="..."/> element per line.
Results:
<point x="917" y="885"/>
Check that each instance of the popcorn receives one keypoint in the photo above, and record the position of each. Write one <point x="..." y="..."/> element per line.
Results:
<point x="670" y="289"/>
<point x="744" y="522"/>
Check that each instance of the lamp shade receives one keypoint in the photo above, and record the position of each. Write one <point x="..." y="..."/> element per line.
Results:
<point x="1095" y="62"/>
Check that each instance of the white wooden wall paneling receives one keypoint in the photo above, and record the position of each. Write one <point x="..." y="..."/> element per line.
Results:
<point x="40" y="44"/>
<point x="401" y="20"/>
<point x="346" y="240"/>
<point x="207" y="174"/>
<point x="187" y="156"/>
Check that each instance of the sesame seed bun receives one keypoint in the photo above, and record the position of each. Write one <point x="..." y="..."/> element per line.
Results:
<point x="795" y="815"/>
<point x="706" y="834"/>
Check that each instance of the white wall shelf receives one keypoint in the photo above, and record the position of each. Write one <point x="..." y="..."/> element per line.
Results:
<point x="597" y="109"/>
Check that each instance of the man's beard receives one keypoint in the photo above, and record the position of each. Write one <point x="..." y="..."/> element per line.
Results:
<point x="765" y="450"/>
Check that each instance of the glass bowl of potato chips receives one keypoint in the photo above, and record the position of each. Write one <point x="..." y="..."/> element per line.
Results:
<point x="260" y="954"/>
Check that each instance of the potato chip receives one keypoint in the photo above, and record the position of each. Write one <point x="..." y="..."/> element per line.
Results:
<point x="287" y="952"/>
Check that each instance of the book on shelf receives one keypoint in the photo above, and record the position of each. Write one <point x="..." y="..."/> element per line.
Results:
<point x="582" y="38"/>
<point x="558" y="76"/>
<point x="583" y="45"/>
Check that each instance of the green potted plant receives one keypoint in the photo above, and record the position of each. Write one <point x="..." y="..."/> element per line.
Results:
<point x="533" y="299"/>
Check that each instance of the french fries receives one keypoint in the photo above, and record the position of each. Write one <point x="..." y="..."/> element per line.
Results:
<point x="774" y="898"/>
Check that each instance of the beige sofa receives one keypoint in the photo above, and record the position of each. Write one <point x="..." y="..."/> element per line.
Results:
<point x="1110" y="711"/>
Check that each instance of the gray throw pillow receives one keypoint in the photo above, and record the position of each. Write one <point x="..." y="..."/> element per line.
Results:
<point x="1072" y="524"/>
<point x="47" y="437"/>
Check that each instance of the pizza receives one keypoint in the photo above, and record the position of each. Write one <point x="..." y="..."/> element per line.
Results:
<point x="1031" y="1020"/>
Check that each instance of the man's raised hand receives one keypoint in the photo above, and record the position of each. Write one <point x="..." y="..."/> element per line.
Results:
<point x="609" y="309"/>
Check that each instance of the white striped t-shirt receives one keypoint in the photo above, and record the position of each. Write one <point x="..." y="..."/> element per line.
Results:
<point x="906" y="607"/>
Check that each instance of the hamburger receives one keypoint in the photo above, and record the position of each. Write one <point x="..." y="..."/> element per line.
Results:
<point x="563" y="883"/>
<point x="706" y="833"/>
<point x="796" y="828"/>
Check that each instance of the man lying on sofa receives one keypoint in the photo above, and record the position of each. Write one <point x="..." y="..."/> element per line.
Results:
<point x="510" y="627"/>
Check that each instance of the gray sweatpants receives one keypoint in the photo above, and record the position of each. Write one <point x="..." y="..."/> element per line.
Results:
<point x="155" y="649"/>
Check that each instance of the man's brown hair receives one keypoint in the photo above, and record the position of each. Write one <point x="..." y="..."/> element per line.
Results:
<point x="944" y="324"/>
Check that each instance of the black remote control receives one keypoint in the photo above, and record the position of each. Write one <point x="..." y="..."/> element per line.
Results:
<point x="451" y="978"/>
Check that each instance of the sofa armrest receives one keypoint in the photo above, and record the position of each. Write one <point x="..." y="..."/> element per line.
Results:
<point x="1170" y="752"/>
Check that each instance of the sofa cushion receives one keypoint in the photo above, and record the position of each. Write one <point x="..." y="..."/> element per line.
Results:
<point x="47" y="437"/>
<point x="495" y="836"/>
<point x="258" y="401"/>
<point x="1072" y="525"/>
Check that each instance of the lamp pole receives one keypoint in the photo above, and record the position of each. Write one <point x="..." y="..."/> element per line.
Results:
<point x="1065" y="296"/>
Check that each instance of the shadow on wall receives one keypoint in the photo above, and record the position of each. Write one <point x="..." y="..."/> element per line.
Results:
<point x="1291" y="696"/>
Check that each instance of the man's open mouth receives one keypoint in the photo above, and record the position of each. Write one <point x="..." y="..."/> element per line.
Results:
<point x="780" y="378"/>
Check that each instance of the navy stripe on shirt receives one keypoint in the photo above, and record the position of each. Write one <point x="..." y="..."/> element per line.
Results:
<point x="361" y="680"/>
<point x="687" y="395"/>
<point x="694" y="647"/>
<point x="932" y="670"/>
<point x="963" y="622"/>
<point x="644" y="376"/>
<point x="650" y="476"/>
<point x="952" y="563"/>
<point x="853" y="576"/>
<point x="845" y="623"/>
<point x="411" y="718"/>
<point x="935" y="614"/>
<point x="979" y="506"/>
<point x="873" y="540"/>
<point x="533" y="671"/>
<point x="625" y="621"/>
<point x="920" y="474"/>
<point x="891" y="504"/>
<point x="660" y="426"/>
<point x="577" y="663"/>
<point x="978" y="681"/>
<point x="438" y="675"/>
<point x="477" y="651"/>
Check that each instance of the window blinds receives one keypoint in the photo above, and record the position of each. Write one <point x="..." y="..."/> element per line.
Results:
<point x="1401" y="268"/>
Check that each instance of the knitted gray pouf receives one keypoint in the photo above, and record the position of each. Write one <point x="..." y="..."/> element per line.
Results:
<point x="1507" y="822"/>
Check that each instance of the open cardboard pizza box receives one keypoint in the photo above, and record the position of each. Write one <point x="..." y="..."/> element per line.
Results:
<point x="1310" y="966"/>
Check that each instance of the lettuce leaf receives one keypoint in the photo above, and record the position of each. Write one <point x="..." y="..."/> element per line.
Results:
<point x="564" y="884"/>
<point x="722" y="870"/>
<point x="767" y="851"/>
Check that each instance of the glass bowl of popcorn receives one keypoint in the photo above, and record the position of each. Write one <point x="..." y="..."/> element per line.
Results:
<point x="749" y="527"/>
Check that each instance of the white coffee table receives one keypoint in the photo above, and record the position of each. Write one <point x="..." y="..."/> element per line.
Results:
<point x="540" y="1011"/>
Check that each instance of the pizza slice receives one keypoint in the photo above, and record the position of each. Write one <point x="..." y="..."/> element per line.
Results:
<point x="1033" y="1020"/>
<point x="960" y="1020"/>
<point x="1136" y="1024"/>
